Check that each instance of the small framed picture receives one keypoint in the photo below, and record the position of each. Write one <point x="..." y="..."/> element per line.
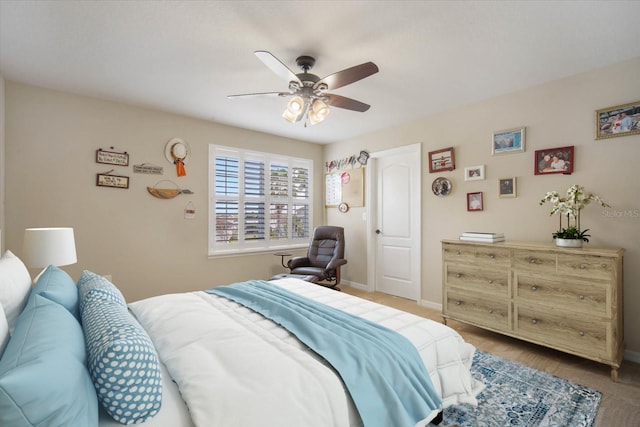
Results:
<point x="474" y="173"/>
<point x="553" y="160"/>
<point x="507" y="187"/>
<point x="474" y="202"/>
<point x="508" y="141"/>
<point x="621" y="120"/>
<point x="442" y="160"/>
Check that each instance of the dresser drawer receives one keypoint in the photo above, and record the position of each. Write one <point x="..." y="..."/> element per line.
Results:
<point x="589" y="297"/>
<point x="477" y="279"/>
<point x="493" y="257"/>
<point x="458" y="253"/>
<point x="586" y="337"/>
<point x="492" y="313"/>
<point x="538" y="261"/>
<point x="593" y="266"/>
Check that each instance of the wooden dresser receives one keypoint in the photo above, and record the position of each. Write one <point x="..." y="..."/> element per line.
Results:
<point x="567" y="299"/>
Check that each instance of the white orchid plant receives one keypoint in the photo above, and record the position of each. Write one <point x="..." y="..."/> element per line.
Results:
<point x="570" y="208"/>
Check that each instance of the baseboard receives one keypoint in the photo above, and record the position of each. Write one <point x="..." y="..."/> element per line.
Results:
<point x="632" y="356"/>
<point x="356" y="285"/>
<point x="431" y="305"/>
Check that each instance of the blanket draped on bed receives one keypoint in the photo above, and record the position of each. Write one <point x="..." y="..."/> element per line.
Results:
<point x="382" y="370"/>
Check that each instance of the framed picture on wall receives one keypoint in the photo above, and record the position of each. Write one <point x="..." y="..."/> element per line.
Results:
<point x="554" y="160"/>
<point x="621" y="120"/>
<point x="507" y="187"/>
<point x="474" y="201"/>
<point x="442" y="160"/>
<point x="508" y="141"/>
<point x="474" y="173"/>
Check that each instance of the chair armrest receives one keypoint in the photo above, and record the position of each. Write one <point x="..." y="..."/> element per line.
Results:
<point x="336" y="263"/>
<point x="299" y="261"/>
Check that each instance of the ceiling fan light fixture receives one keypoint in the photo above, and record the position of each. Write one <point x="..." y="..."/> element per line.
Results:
<point x="318" y="111"/>
<point x="294" y="109"/>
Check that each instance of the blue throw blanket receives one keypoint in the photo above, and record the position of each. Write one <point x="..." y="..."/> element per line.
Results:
<point x="382" y="370"/>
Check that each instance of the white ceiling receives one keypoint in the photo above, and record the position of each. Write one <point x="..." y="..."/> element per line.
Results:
<point x="186" y="57"/>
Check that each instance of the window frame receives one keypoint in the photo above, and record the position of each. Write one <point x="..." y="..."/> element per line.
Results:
<point x="216" y="249"/>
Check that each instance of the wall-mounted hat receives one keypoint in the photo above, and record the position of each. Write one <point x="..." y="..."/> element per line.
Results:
<point x="177" y="149"/>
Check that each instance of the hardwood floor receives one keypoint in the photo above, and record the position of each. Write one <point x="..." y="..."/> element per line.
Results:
<point x="620" y="405"/>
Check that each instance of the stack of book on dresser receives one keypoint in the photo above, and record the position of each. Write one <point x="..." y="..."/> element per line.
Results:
<point x="473" y="236"/>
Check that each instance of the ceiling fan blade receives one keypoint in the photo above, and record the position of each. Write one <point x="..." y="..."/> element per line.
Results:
<point x="277" y="66"/>
<point x="346" y="103"/>
<point x="259" y="94"/>
<point x="348" y="76"/>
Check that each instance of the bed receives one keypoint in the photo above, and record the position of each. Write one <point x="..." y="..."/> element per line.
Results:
<point x="201" y="359"/>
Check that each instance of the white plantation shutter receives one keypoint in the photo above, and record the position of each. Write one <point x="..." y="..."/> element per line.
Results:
<point x="259" y="201"/>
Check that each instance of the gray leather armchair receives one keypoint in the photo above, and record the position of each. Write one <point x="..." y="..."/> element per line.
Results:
<point x="324" y="257"/>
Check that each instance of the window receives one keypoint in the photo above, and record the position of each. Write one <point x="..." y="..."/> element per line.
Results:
<point x="259" y="201"/>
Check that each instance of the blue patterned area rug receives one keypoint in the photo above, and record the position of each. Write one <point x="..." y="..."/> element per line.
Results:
<point x="517" y="395"/>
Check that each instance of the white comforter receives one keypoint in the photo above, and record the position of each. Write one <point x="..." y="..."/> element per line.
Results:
<point x="235" y="368"/>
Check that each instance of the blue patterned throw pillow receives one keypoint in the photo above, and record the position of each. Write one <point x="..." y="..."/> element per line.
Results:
<point x="122" y="360"/>
<point x="91" y="283"/>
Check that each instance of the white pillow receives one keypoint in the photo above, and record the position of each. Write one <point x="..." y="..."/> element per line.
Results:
<point x="15" y="286"/>
<point x="4" y="331"/>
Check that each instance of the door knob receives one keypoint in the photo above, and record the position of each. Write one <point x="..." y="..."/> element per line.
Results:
<point x="378" y="232"/>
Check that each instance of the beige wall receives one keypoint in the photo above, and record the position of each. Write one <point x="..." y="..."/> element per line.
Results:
<point x="143" y="242"/>
<point x="555" y="114"/>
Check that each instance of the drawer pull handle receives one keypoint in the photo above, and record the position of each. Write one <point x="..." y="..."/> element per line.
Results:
<point x="458" y="275"/>
<point x="534" y="288"/>
<point x="603" y="265"/>
<point x="533" y="261"/>
<point x="490" y="311"/>
<point x="490" y="281"/>
<point x="457" y="252"/>
<point x="580" y="296"/>
<point x="581" y="333"/>
<point x="534" y="321"/>
<point x="458" y="302"/>
<point x="492" y="256"/>
<point x="582" y="266"/>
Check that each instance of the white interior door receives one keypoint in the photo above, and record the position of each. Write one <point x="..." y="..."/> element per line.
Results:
<point x="397" y="222"/>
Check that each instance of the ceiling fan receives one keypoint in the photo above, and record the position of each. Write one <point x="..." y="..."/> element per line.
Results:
<point x="310" y="98"/>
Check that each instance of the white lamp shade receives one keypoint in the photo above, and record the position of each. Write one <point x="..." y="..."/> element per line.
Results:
<point x="49" y="246"/>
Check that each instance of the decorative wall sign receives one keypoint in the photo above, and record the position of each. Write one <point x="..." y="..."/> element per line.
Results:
<point x="112" y="157"/>
<point x="148" y="169"/>
<point x="189" y="211"/>
<point x="114" y="181"/>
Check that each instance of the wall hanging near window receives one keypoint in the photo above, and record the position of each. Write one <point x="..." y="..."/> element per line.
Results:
<point x="351" y="161"/>
<point x="106" y="179"/>
<point x="178" y="152"/>
<point x="345" y="187"/>
<point x="112" y="157"/>
<point x="167" y="193"/>
<point x="147" y="168"/>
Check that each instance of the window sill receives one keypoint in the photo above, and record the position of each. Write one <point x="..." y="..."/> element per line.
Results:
<point x="256" y="251"/>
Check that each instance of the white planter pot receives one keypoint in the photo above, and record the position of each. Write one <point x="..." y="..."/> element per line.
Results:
<point x="569" y="243"/>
